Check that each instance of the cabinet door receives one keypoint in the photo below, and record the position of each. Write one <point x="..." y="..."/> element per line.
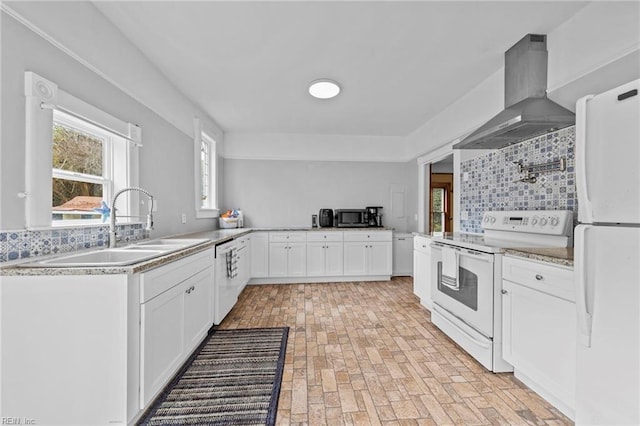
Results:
<point x="259" y="254"/>
<point x="198" y="307"/>
<point x="278" y="259"/>
<point x="297" y="259"/>
<point x="539" y="338"/>
<point x="316" y="259"/>
<point x="402" y="255"/>
<point x="162" y="345"/>
<point x="333" y="259"/>
<point x="422" y="277"/>
<point x="355" y="258"/>
<point x="379" y="258"/>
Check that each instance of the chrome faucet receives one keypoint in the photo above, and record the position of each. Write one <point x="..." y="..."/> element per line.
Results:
<point x="112" y="223"/>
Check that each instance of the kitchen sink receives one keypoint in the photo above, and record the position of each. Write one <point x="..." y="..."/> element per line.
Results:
<point x="120" y="256"/>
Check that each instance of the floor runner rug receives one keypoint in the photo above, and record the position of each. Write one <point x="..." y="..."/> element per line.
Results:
<point x="232" y="379"/>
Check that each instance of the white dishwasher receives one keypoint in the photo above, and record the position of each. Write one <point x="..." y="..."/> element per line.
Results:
<point x="226" y="285"/>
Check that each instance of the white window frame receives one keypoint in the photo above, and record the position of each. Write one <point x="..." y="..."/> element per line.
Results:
<point x="200" y="137"/>
<point x="42" y="98"/>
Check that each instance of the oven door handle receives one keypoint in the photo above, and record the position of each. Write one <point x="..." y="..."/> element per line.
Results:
<point x="465" y="251"/>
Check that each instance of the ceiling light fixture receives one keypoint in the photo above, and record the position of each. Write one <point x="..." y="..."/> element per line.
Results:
<point x="324" y="88"/>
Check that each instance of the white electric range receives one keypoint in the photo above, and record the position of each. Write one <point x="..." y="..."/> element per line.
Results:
<point x="466" y="280"/>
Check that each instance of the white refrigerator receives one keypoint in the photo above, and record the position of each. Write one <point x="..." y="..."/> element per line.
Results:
<point x="607" y="257"/>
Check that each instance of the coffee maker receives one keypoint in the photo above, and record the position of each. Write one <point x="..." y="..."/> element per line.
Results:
<point x="375" y="216"/>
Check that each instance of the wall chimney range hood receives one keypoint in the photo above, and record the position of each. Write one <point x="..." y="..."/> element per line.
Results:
<point x="528" y="112"/>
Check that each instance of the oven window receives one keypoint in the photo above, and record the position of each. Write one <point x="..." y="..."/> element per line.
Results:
<point x="467" y="294"/>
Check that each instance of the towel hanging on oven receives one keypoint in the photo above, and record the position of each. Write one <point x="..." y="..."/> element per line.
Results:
<point x="450" y="268"/>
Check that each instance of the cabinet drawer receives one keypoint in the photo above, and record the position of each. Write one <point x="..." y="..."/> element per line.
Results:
<point x="324" y="236"/>
<point x="421" y="244"/>
<point x="368" y="236"/>
<point x="159" y="280"/>
<point x="545" y="277"/>
<point x="285" y="237"/>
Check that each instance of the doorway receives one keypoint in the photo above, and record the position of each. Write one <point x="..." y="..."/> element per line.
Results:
<point x="441" y="196"/>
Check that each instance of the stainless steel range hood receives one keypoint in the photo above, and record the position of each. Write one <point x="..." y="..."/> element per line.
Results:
<point x="528" y="112"/>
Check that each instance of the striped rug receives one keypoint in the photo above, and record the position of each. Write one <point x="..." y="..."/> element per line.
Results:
<point x="232" y="379"/>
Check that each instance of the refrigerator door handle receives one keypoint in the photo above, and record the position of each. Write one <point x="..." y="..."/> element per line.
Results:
<point x="584" y="207"/>
<point x="584" y="317"/>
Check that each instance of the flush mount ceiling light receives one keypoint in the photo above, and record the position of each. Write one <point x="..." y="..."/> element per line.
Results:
<point x="324" y="88"/>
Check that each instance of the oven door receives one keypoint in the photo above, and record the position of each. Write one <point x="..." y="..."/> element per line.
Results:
<point x="470" y="298"/>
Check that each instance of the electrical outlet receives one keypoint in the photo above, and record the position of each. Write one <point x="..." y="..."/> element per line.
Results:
<point x="464" y="215"/>
<point x="465" y="176"/>
<point x="155" y="205"/>
<point x="184" y="218"/>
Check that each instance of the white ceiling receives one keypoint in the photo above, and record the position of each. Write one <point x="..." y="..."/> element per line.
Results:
<point x="248" y="64"/>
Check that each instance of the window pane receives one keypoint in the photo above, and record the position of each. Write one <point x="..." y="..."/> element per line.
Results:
<point x="437" y="199"/>
<point x="76" y="151"/>
<point x="437" y="222"/>
<point x="204" y="173"/>
<point x="75" y="200"/>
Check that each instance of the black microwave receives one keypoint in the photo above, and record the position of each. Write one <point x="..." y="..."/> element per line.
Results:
<point x="351" y="218"/>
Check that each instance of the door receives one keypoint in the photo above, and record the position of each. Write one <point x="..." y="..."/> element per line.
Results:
<point x="472" y="300"/>
<point x="259" y="254"/>
<point x="607" y="155"/>
<point x="278" y="259"/>
<point x="422" y="275"/>
<point x="607" y="267"/>
<point x="297" y="259"/>
<point x="316" y="259"/>
<point x="379" y="258"/>
<point x="162" y="346"/>
<point x="539" y="339"/>
<point x="333" y="259"/>
<point x="355" y="258"/>
<point x="198" y="307"/>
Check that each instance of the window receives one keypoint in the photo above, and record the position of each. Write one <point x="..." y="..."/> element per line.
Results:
<point x="76" y="157"/>
<point x="205" y="173"/>
<point x="441" y="201"/>
<point x="81" y="171"/>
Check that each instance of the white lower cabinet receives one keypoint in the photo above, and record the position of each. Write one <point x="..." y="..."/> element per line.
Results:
<point x="324" y="254"/>
<point x="176" y="313"/>
<point x="422" y="270"/>
<point x="287" y="254"/>
<point x="367" y="253"/>
<point x="539" y="328"/>
<point x="402" y="254"/>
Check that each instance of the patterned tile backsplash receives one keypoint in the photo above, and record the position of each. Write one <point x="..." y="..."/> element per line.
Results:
<point x="491" y="179"/>
<point x="22" y="244"/>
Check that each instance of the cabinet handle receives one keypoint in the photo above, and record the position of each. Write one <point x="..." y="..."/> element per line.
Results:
<point x="539" y="277"/>
<point x="504" y="291"/>
<point x="190" y="289"/>
<point x="424" y="246"/>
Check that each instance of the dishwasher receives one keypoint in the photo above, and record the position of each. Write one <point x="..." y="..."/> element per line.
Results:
<point x="227" y="282"/>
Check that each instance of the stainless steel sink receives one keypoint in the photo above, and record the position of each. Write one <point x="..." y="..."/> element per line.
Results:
<point x="121" y="256"/>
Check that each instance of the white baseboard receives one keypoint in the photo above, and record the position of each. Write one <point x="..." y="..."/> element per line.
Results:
<point x="298" y="280"/>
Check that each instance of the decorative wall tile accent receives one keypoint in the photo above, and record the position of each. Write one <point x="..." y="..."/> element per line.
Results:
<point x="491" y="184"/>
<point x="23" y="244"/>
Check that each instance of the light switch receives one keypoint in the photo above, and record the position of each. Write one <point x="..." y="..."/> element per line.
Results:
<point x="184" y="218"/>
<point x="465" y="176"/>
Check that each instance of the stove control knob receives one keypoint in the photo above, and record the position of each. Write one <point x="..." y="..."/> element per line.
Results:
<point x="543" y="221"/>
<point x="534" y="221"/>
<point x="493" y="219"/>
<point x="487" y="219"/>
<point x="555" y="221"/>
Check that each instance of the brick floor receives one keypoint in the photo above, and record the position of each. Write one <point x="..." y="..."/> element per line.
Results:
<point x="366" y="353"/>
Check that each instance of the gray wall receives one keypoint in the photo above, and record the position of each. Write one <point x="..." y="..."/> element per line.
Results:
<point x="286" y="193"/>
<point x="166" y="160"/>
